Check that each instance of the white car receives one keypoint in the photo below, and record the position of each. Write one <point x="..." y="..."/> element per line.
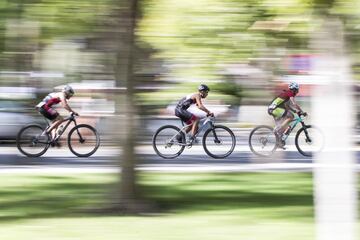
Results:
<point x="12" y="119"/>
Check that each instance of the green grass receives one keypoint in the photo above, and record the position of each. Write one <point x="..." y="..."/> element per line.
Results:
<point x="209" y="206"/>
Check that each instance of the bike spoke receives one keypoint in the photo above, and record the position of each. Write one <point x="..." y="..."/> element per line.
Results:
<point x="168" y="142"/>
<point x="309" y="141"/>
<point x="263" y="141"/>
<point x="32" y="142"/>
<point x="83" y="140"/>
<point x="219" y="142"/>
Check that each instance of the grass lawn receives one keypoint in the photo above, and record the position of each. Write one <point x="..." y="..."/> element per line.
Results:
<point x="193" y="206"/>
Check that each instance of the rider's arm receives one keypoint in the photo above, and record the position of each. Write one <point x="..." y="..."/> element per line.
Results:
<point x="64" y="103"/>
<point x="293" y="103"/>
<point x="200" y="105"/>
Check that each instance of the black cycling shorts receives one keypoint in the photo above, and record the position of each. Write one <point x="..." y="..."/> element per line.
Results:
<point x="50" y="114"/>
<point x="183" y="114"/>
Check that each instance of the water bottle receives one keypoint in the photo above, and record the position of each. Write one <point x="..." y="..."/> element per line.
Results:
<point x="60" y="130"/>
<point x="287" y="131"/>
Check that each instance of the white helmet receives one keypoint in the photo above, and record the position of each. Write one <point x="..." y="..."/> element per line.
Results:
<point x="294" y="86"/>
<point x="68" y="90"/>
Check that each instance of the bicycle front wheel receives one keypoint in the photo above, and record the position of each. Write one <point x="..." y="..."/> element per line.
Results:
<point x="168" y="141"/>
<point x="219" y="141"/>
<point x="309" y="140"/>
<point x="32" y="141"/>
<point x="83" y="140"/>
<point x="262" y="141"/>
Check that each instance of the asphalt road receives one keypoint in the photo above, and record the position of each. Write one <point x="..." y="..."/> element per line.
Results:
<point x="192" y="160"/>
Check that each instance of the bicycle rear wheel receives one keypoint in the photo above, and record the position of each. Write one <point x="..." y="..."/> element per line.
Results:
<point x="263" y="141"/>
<point x="166" y="144"/>
<point x="83" y="140"/>
<point x="32" y="141"/>
<point x="219" y="142"/>
<point x="309" y="140"/>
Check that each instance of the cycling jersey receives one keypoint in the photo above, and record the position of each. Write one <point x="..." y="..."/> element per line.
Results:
<point x="45" y="106"/>
<point x="283" y="98"/>
<point x="186" y="102"/>
<point x="277" y="106"/>
<point x="182" y="112"/>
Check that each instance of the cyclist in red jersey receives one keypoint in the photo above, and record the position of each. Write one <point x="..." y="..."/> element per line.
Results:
<point x="45" y="107"/>
<point x="282" y="111"/>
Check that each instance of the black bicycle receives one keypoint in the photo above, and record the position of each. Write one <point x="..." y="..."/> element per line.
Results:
<point x="83" y="140"/>
<point x="218" y="141"/>
<point x="263" y="141"/>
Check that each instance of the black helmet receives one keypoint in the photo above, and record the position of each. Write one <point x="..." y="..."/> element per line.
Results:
<point x="203" y="87"/>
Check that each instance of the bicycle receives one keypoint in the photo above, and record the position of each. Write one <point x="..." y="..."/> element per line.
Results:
<point x="33" y="140"/>
<point x="218" y="141"/>
<point x="263" y="141"/>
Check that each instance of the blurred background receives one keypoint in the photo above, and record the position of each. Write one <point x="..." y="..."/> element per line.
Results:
<point x="130" y="62"/>
<point x="245" y="51"/>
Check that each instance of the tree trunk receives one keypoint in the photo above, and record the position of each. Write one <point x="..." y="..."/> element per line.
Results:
<point x="127" y="199"/>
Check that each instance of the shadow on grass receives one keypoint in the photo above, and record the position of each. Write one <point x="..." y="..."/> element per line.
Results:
<point x="30" y="197"/>
<point x="48" y="196"/>
<point x="284" y="195"/>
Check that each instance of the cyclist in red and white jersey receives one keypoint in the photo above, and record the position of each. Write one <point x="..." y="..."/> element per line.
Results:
<point x="46" y="107"/>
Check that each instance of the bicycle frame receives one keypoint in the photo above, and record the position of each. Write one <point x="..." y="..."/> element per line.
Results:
<point x="68" y="121"/>
<point x="293" y="124"/>
<point x="210" y="120"/>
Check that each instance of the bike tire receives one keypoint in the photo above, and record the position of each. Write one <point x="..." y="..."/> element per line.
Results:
<point x="157" y="148"/>
<point x="206" y="147"/>
<point x="78" y="129"/>
<point x="300" y="148"/>
<point x="19" y="140"/>
<point x="270" y="131"/>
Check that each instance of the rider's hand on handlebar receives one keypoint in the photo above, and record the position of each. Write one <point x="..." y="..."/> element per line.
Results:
<point x="75" y="113"/>
<point x="210" y="114"/>
<point x="302" y="113"/>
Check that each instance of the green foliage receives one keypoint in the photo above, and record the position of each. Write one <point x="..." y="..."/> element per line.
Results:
<point x="230" y="89"/>
<point x="201" y="34"/>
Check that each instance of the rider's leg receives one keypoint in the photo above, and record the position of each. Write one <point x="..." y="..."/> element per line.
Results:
<point x="195" y="127"/>
<point x="55" y="124"/>
<point x="278" y="115"/>
<point x="282" y="119"/>
<point x="287" y="119"/>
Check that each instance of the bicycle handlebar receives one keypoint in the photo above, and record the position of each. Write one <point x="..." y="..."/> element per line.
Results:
<point x="72" y="116"/>
<point x="302" y="115"/>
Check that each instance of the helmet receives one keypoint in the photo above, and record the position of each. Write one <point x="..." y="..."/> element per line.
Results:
<point x="203" y="87"/>
<point x="294" y="86"/>
<point x="68" y="90"/>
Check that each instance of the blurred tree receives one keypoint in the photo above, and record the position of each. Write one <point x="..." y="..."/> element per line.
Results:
<point x="128" y="199"/>
<point x="26" y="27"/>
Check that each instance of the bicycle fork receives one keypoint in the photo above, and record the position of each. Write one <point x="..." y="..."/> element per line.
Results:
<point x="307" y="139"/>
<point x="216" y="140"/>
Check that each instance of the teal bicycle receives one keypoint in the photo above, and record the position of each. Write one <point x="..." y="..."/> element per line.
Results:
<point x="308" y="139"/>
